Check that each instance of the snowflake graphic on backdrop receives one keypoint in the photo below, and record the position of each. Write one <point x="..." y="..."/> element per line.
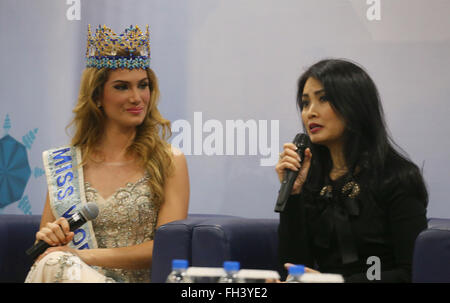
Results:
<point x="15" y="171"/>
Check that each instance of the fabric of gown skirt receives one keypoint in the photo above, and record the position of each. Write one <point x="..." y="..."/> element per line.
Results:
<point x="64" y="267"/>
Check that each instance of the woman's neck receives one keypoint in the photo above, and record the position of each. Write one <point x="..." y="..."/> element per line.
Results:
<point x="114" y="144"/>
<point x="339" y="167"/>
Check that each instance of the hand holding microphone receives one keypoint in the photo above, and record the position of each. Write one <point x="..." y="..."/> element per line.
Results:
<point x="60" y="232"/>
<point x="55" y="233"/>
<point x="293" y="168"/>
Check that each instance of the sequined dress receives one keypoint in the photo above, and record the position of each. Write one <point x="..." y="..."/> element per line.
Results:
<point x="126" y="218"/>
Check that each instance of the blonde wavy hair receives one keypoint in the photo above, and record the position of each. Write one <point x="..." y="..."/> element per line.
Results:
<point x="150" y="143"/>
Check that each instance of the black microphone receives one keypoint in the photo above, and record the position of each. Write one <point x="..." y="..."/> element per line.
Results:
<point x="86" y="213"/>
<point x="302" y="142"/>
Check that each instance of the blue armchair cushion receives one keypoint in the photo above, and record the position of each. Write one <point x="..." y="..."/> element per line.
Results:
<point x="431" y="261"/>
<point x="209" y="240"/>
<point x="17" y="234"/>
<point x="174" y="241"/>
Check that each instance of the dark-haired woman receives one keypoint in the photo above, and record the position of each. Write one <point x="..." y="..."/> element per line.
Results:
<point x="358" y="203"/>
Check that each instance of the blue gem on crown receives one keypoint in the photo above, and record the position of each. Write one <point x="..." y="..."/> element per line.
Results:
<point x="103" y="48"/>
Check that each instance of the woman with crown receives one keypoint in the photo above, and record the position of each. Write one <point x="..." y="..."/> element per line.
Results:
<point x="119" y="158"/>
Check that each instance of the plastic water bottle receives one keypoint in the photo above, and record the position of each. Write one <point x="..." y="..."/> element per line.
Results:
<point x="231" y="270"/>
<point x="295" y="273"/>
<point x="178" y="274"/>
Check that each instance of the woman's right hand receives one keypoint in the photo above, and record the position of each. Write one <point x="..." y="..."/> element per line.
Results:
<point x="289" y="159"/>
<point x="56" y="233"/>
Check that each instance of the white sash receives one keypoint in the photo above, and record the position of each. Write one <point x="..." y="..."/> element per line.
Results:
<point x="66" y="190"/>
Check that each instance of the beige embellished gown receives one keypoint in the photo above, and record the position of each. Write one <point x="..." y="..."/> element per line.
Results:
<point x="126" y="218"/>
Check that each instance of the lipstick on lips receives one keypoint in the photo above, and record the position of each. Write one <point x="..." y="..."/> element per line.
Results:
<point x="314" y="128"/>
<point x="135" y="110"/>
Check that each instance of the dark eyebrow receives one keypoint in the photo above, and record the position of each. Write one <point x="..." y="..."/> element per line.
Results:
<point x="123" y="81"/>
<point x="317" y="92"/>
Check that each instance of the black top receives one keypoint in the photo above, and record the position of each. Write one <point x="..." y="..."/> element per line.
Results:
<point x="336" y="231"/>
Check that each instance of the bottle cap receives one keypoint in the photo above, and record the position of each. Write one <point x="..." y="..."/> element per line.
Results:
<point x="297" y="270"/>
<point x="179" y="264"/>
<point x="231" y="265"/>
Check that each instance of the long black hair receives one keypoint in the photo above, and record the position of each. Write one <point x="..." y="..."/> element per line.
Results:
<point x="368" y="147"/>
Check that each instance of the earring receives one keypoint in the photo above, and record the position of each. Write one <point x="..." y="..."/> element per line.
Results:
<point x="99" y="104"/>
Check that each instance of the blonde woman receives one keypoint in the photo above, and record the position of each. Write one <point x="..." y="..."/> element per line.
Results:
<point x="119" y="159"/>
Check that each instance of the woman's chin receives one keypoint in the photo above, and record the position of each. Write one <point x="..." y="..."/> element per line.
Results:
<point x="316" y="139"/>
<point x="130" y="123"/>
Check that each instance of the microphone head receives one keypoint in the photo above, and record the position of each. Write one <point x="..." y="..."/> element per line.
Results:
<point x="89" y="211"/>
<point x="301" y="139"/>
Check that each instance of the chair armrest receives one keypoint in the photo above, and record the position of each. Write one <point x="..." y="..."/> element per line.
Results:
<point x="432" y="253"/>
<point x="252" y="242"/>
<point x="173" y="241"/>
<point x="17" y="234"/>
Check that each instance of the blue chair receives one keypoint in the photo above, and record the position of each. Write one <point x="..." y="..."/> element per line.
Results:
<point x="431" y="260"/>
<point x="17" y="234"/>
<point x="209" y="240"/>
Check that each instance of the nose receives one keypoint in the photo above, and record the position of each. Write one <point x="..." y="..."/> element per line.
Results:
<point x="311" y="110"/>
<point x="135" y="96"/>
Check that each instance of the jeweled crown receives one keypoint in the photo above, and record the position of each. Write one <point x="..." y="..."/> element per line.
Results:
<point x="103" y="48"/>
